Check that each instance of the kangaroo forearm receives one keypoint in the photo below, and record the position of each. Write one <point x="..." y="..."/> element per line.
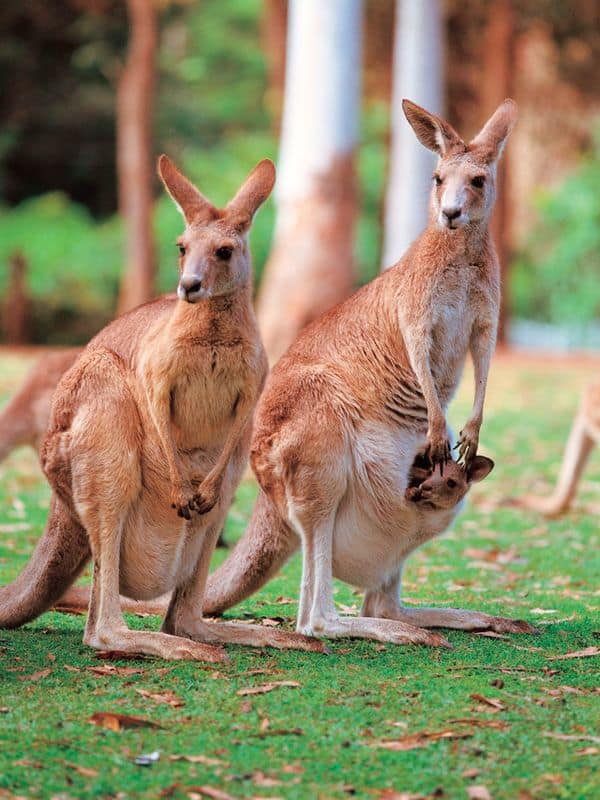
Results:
<point x="242" y="418"/>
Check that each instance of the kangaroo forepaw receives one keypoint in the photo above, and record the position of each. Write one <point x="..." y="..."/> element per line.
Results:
<point x="206" y="498"/>
<point x="468" y="442"/>
<point x="439" y="452"/>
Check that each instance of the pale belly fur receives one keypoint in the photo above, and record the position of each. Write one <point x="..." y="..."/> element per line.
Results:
<point x="160" y="550"/>
<point x="375" y="527"/>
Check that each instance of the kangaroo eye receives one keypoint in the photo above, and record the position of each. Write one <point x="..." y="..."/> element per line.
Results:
<point x="181" y="248"/>
<point x="224" y="253"/>
<point x="451" y="484"/>
<point x="438" y="180"/>
<point x="478" y="181"/>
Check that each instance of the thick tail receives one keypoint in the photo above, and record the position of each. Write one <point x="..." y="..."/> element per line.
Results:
<point x="59" y="557"/>
<point x="265" y="547"/>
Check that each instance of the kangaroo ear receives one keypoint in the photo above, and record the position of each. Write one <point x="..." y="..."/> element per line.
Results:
<point x="189" y="201"/>
<point x="492" y="137"/>
<point x="480" y="468"/>
<point x="432" y="131"/>
<point x="251" y="195"/>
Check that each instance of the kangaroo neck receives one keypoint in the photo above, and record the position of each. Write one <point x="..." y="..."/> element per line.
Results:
<point x="468" y="244"/>
<point x="217" y="319"/>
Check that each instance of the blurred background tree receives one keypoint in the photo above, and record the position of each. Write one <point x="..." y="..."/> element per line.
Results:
<point x="217" y="110"/>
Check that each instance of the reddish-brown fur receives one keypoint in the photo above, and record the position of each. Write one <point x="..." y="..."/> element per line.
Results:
<point x="361" y="392"/>
<point x="148" y="438"/>
<point x="25" y="419"/>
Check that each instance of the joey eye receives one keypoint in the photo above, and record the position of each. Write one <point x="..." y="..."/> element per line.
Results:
<point x="438" y="180"/>
<point x="478" y="181"/>
<point x="224" y="253"/>
<point x="451" y="484"/>
<point x="181" y="248"/>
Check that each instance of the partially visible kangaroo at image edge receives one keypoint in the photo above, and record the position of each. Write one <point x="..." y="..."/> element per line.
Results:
<point x="584" y="435"/>
<point x="24" y="420"/>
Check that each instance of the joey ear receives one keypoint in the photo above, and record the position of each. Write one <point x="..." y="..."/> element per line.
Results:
<point x="480" y="468"/>
<point x="190" y="202"/>
<point x="492" y="137"/>
<point x="432" y="131"/>
<point x="251" y="194"/>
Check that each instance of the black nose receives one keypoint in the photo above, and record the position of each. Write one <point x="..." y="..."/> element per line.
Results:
<point x="190" y="284"/>
<point x="451" y="213"/>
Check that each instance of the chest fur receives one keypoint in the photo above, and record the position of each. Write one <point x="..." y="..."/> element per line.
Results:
<point x="204" y="398"/>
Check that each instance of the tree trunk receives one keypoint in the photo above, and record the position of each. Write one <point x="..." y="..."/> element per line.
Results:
<point x="135" y="105"/>
<point x="274" y="33"/>
<point x="417" y="76"/>
<point x="311" y="264"/>
<point x="16" y="304"/>
<point x="496" y="85"/>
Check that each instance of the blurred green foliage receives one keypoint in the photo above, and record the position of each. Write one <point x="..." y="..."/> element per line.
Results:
<point x="556" y="277"/>
<point x="212" y="116"/>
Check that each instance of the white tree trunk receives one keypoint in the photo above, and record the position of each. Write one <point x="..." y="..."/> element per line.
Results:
<point x="311" y="263"/>
<point x="418" y="58"/>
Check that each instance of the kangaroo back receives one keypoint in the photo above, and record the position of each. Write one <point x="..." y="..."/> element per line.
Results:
<point x="264" y="549"/>
<point x="25" y="418"/>
<point x="59" y="557"/>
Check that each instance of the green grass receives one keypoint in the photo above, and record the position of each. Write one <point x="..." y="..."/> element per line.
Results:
<point x="317" y="740"/>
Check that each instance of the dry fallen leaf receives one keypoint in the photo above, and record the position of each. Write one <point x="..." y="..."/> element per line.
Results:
<point x="198" y="792"/>
<point x="206" y="760"/>
<point x="168" y="698"/>
<point x="496" y="724"/>
<point x="117" y="722"/>
<point x="267" y="782"/>
<point x="110" y="669"/>
<point x="567" y="737"/>
<point x="587" y="751"/>
<point x="26" y="762"/>
<point x="280" y="732"/>
<point x="494" y="704"/>
<point x="36" y="676"/>
<point x="586" y="653"/>
<point x="293" y="769"/>
<point x="478" y="793"/>
<point x="473" y="772"/>
<point x="415" y="740"/>
<point x="120" y="655"/>
<point x="267" y="687"/>
<point x="87" y="772"/>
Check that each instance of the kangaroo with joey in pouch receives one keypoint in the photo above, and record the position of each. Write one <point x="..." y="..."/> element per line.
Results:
<point x="365" y="389"/>
<point x="148" y="439"/>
